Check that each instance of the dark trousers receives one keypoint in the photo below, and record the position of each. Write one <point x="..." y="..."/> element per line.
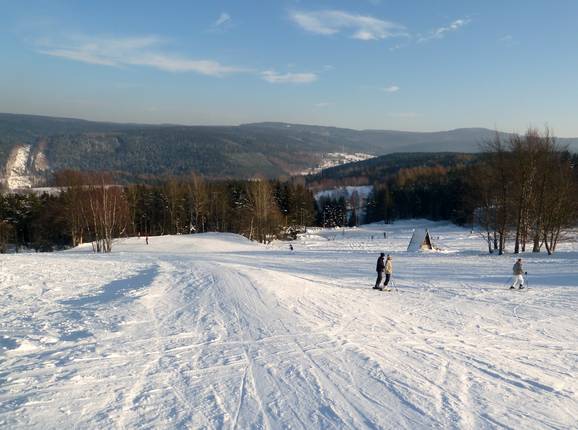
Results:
<point x="379" y="279"/>
<point x="387" y="276"/>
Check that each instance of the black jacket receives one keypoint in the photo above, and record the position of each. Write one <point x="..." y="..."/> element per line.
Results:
<point x="380" y="265"/>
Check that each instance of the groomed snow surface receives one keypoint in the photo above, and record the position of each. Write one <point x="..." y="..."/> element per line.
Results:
<point x="213" y="331"/>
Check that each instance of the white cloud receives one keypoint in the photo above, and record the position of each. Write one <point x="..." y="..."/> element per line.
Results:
<point x="508" y="40"/>
<point x="362" y="27"/>
<point x="322" y="105"/>
<point x="131" y="51"/>
<point x="223" y="19"/>
<point x="397" y="47"/>
<point x="288" y="78"/>
<point x="391" y="89"/>
<point x="440" y="33"/>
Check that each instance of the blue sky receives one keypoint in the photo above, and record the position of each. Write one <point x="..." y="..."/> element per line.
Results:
<point x="411" y="65"/>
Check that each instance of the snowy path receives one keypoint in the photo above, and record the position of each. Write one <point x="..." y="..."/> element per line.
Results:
<point x="212" y="331"/>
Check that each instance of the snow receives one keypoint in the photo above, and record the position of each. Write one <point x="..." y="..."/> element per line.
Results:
<point x="214" y="331"/>
<point x="333" y="159"/>
<point x="355" y="197"/>
<point x="53" y="191"/>
<point x="23" y="168"/>
<point x="362" y="191"/>
<point x="17" y="169"/>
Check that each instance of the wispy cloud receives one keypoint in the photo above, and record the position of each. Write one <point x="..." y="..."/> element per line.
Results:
<point x="391" y="89"/>
<point x="223" y="19"/>
<point x="508" y="40"/>
<point x="441" y="32"/>
<point x="323" y="105"/>
<point x="130" y="51"/>
<point x="288" y="78"/>
<point x="362" y="27"/>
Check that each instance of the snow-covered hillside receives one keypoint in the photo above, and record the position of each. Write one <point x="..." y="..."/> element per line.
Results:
<point x="333" y="159"/>
<point x="24" y="167"/>
<point x="355" y="199"/>
<point x="213" y="331"/>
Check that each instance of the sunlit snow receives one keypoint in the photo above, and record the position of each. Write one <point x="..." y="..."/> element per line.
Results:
<point x="214" y="331"/>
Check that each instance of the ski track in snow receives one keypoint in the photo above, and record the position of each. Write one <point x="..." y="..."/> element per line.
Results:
<point x="212" y="331"/>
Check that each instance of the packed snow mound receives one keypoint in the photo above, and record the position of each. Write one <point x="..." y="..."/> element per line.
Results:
<point x="182" y="244"/>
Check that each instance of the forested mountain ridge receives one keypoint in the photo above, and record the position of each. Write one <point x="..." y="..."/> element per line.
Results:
<point x="383" y="167"/>
<point x="138" y="151"/>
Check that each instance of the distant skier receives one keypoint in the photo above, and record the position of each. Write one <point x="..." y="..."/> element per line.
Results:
<point x="388" y="269"/>
<point x="290" y="247"/>
<point x="380" y="268"/>
<point x="519" y="273"/>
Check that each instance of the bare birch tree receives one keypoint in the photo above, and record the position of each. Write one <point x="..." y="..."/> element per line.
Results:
<point x="198" y="196"/>
<point x="75" y="202"/>
<point x="529" y="189"/>
<point x="264" y="212"/>
<point x="108" y="211"/>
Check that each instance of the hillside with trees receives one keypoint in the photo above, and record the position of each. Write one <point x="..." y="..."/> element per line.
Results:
<point x="520" y="191"/>
<point x="140" y="153"/>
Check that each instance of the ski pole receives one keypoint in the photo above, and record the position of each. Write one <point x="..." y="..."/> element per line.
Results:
<point x="526" y="280"/>
<point x="394" y="284"/>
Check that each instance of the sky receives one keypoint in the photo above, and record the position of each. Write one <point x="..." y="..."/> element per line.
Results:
<point x="418" y="65"/>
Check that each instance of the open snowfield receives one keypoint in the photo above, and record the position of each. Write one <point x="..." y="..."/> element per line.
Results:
<point x="212" y="331"/>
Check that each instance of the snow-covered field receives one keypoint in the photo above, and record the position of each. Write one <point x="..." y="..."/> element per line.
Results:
<point x="213" y="331"/>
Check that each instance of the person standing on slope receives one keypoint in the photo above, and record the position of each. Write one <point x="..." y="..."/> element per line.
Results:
<point x="380" y="268"/>
<point x="388" y="269"/>
<point x="519" y="273"/>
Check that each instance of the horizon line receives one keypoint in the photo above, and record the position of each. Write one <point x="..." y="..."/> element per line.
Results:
<point x="168" y="124"/>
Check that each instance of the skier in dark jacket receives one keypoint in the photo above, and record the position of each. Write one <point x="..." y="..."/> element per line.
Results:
<point x="380" y="268"/>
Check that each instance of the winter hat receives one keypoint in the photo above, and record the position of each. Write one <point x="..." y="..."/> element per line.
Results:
<point x="382" y="254"/>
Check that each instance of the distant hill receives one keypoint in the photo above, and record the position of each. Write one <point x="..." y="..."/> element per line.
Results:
<point x="139" y="151"/>
<point x="381" y="142"/>
<point x="381" y="168"/>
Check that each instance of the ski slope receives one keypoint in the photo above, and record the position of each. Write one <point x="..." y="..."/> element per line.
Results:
<point x="212" y="331"/>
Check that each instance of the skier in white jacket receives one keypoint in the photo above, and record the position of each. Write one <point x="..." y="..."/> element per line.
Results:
<point x="519" y="273"/>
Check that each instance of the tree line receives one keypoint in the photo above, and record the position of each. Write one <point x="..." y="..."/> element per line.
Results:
<point x="523" y="190"/>
<point x="92" y="208"/>
<point x="527" y="191"/>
